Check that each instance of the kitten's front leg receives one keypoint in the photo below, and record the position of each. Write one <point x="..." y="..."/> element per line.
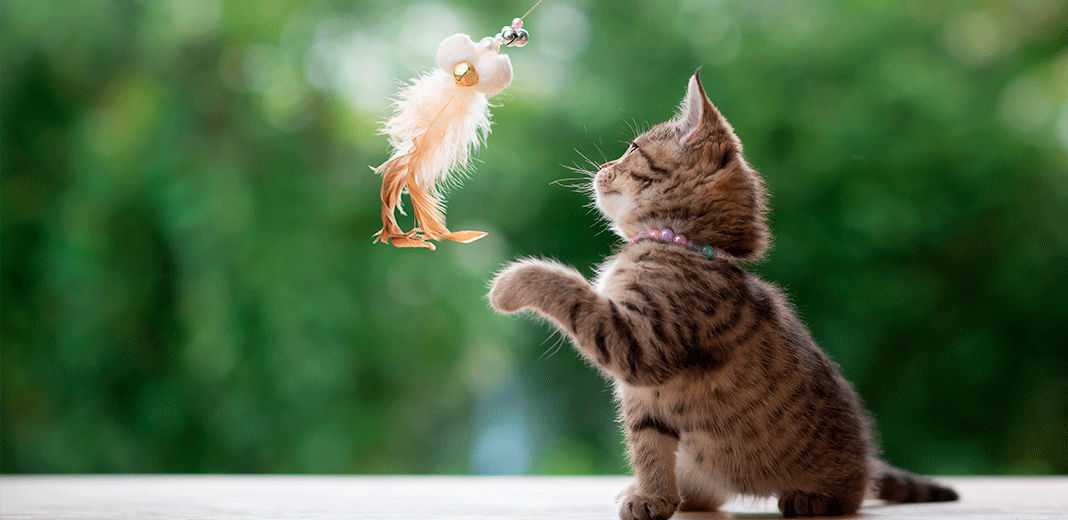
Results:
<point x="614" y="338"/>
<point x="547" y="287"/>
<point x="654" y="494"/>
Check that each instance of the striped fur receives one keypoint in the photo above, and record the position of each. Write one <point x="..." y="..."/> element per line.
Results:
<point x="721" y="389"/>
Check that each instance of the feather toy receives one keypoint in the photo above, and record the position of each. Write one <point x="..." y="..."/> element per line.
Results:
<point x="439" y="120"/>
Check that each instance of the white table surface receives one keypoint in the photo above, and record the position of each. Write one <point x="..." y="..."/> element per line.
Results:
<point x="415" y="498"/>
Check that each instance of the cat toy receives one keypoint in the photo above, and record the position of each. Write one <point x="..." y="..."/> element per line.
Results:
<point x="439" y="119"/>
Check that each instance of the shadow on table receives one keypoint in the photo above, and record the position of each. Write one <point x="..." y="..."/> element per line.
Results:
<point x="722" y="515"/>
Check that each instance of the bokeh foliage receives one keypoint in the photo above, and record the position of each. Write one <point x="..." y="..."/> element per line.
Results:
<point x="189" y="284"/>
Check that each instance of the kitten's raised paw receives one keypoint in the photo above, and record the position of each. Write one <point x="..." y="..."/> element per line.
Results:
<point x="639" y="506"/>
<point x="796" y="503"/>
<point x="526" y="282"/>
<point x="510" y="286"/>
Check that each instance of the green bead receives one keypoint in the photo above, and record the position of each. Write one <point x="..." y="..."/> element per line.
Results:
<point x="708" y="251"/>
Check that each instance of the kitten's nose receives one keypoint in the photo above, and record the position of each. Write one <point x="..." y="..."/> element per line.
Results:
<point x="604" y="179"/>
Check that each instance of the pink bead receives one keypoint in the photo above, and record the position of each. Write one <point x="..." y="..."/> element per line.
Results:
<point x="653" y="233"/>
<point x="681" y="239"/>
<point x="517" y="24"/>
<point x="666" y="234"/>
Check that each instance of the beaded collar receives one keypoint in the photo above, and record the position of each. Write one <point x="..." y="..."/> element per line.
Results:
<point x="667" y="235"/>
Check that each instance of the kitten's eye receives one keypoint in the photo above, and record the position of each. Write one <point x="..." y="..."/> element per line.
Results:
<point x="633" y="146"/>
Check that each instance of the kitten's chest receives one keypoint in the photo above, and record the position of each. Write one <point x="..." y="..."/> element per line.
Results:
<point x="604" y="274"/>
<point x="641" y="401"/>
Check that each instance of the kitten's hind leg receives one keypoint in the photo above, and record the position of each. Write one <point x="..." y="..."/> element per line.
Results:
<point x="700" y="491"/>
<point x="701" y="496"/>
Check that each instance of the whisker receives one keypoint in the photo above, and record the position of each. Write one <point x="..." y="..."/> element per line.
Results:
<point x="595" y="165"/>
<point x="603" y="158"/>
<point x="581" y="185"/>
<point x="579" y="170"/>
<point x="580" y="189"/>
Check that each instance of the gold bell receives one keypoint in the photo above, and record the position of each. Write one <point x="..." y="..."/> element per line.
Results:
<point x="464" y="74"/>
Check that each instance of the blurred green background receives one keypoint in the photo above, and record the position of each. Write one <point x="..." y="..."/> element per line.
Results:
<point x="189" y="283"/>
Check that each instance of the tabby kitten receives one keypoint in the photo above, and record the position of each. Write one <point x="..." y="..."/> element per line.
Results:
<point x="722" y="390"/>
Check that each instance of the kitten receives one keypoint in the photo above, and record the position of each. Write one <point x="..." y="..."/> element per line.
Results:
<point x="722" y="390"/>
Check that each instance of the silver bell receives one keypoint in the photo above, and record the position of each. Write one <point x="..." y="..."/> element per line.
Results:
<point x="521" y="38"/>
<point x="508" y="34"/>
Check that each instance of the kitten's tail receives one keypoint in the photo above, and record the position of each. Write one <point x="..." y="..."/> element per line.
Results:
<point x="898" y="486"/>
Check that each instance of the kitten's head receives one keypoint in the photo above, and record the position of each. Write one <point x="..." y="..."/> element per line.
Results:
<point x="688" y="174"/>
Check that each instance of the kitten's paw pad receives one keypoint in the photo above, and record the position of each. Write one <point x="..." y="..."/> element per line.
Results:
<point x="639" y="506"/>
<point x="796" y="503"/>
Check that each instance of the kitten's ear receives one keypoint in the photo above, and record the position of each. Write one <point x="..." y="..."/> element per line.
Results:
<point x="697" y="116"/>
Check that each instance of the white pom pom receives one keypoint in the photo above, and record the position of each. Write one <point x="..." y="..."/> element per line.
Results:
<point x="494" y="69"/>
<point x="455" y="49"/>
<point x="494" y="72"/>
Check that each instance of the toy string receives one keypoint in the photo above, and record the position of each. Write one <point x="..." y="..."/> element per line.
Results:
<point x="531" y="9"/>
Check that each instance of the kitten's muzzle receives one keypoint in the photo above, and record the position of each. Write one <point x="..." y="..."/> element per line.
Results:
<point x="604" y="179"/>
